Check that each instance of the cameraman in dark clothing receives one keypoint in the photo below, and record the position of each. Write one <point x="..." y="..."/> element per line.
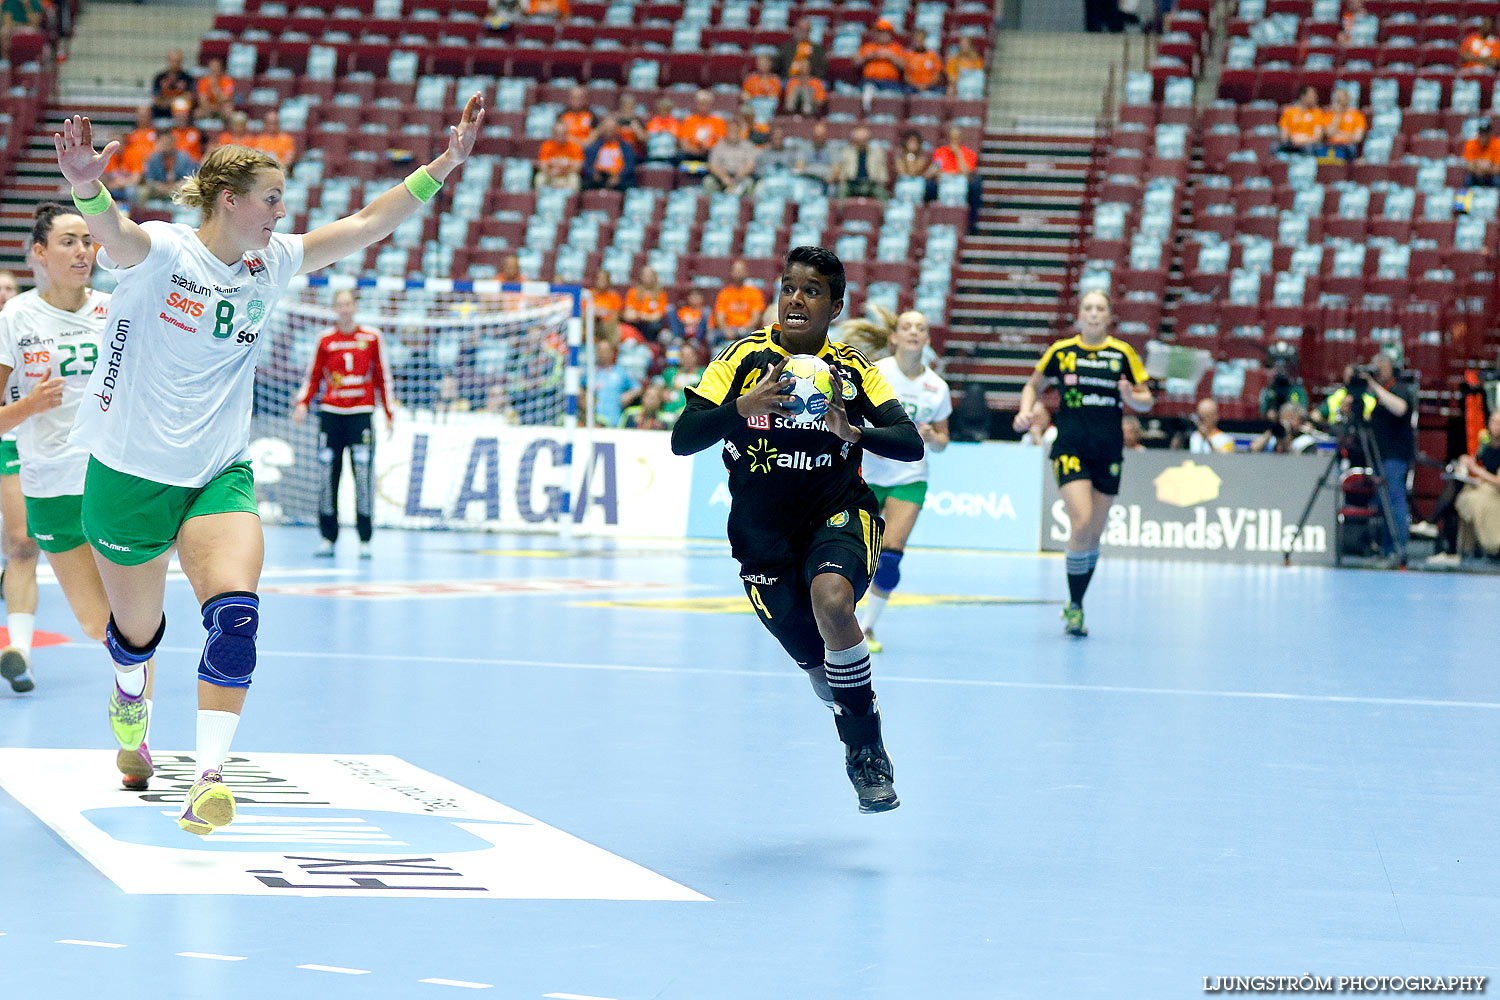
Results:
<point x="1285" y="385"/>
<point x="1391" y="427"/>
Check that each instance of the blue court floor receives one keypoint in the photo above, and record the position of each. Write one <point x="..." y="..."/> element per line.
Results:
<point x="481" y="763"/>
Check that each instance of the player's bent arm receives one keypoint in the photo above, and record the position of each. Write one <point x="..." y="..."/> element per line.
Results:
<point x="939" y="439"/>
<point x="1140" y="398"/>
<point x="125" y="241"/>
<point x="13" y="415"/>
<point x="892" y="434"/>
<point x="702" y="424"/>
<point x="1029" y="392"/>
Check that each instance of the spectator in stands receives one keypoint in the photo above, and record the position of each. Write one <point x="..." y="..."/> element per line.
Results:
<point x="647" y="414"/>
<point x="778" y="156"/>
<point x="186" y="137"/>
<point x="612" y="385"/>
<point x="684" y="368"/>
<point x="215" y="92"/>
<point x="756" y="130"/>
<point x="1103" y="15"/>
<point x="559" y="162"/>
<point x="805" y="94"/>
<point x="1285" y="385"/>
<point x="558" y="10"/>
<point x="913" y="159"/>
<point x="609" y="161"/>
<point x="1477" y="502"/>
<point x="953" y="157"/>
<point x="130" y="162"/>
<point x="1302" y="124"/>
<point x="1344" y="128"/>
<point x="510" y="269"/>
<point x="645" y="306"/>
<point x="738" y="306"/>
<point x="731" y="163"/>
<point x="862" y="171"/>
<point x="801" y="47"/>
<point x="665" y="119"/>
<point x="276" y="141"/>
<point x="819" y="159"/>
<point x="501" y="15"/>
<point x="966" y="58"/>
<point x="578" y="117"/>
<point x="167" y="166"/>
<point x="632" y="125"/>
<point x="923" y="70"/>
<point x="1206" y="437"/>
<point x="699" y="132"/>
<point x="9" y="287"/>
<point x="880" y="61"/>
<point x="762" y="82"/>
<point x="689" y="321"/>
<point x="1394" y="435"/>
<point x="1479" y="52"/>
<point x="1289" y="434"/>
<point x="1354" y="13"/>
<point x="237" y="130"/>
<point x="171" y="85"/>
<point x="1131" y="432"/>
<point x="607" y="301"/>
<point x="1482" y="156"/>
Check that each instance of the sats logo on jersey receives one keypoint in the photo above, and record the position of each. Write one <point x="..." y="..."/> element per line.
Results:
<point x="183" y="304"/>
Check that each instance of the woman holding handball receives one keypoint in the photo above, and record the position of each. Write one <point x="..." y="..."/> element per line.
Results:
<point x="1096" y="375"/>
<point x="803" y="526"/>
<point x="167" y="416"/>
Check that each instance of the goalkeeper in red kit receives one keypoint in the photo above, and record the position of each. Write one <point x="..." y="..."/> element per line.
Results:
<point x="349" y="361"/>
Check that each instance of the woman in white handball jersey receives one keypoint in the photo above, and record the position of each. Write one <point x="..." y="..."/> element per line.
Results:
<point x="901" y="487"/>
<point x="166" y="419"/>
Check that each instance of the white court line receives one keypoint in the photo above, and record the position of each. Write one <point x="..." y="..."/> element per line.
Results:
<point x="572" y="996"/>
<point x="210" y="956"/>
<point x="459" y="983"/>
<point x="335" y="968"/>
<point x="90" y="944"/>
<point x="1322" y="699"/>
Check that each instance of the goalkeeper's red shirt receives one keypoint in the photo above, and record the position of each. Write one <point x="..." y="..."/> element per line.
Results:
<point x="355" y="370"/>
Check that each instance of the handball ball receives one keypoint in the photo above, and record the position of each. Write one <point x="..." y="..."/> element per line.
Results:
<point x="812" y="388"/>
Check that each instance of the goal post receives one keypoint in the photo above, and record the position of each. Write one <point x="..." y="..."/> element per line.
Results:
<point x="491" y="412"/>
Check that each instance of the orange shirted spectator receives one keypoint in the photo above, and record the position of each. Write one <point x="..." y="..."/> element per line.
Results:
<point x="739" y="305"/>
<point x="1482" y="157"/>
<point x="607" y="301"/>
<point x="548" y="8"/>
<point x="215" y="91"/>
<point x="690" y="320"/>
<point x="1480" y="49"/>
<point x="701" y="130"/>
<point x="1343" y="127"/>
<point x="140" y="143"/>
<point x="1302" y="124"/>
<point x="560" y="160"/>
<point x="881" y="59"/>
<point x="185" y="137"/>
<point x="578" y="118"/>
<point x="665" y="119"/>
<point x="805" y="93"/>
<point x="646" y="305"/>
<point x="924" y="68"/>
<point x="763" y="82"/>
<point x="237" y="131"/>
<point x="276" y="142"/>
<point x="966" y="58"/>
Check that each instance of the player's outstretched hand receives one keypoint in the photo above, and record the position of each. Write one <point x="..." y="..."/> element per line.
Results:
<point x="461" y="137"/>
<point x="1022" y="423"/>
<point x="768" y="395"/>
<point x="837" y="417"/>
<point x="75" y="152"/>
<point x="47" y="394"/>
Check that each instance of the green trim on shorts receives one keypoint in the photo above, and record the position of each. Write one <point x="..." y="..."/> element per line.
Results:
<point x="10" y="458"/>
<point x="910" y="492"/>
<point x="129" y="520"/>
<point x="56" y="522"/>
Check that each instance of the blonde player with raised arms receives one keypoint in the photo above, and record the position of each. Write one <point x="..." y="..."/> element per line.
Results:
<point x="167" y="417"/>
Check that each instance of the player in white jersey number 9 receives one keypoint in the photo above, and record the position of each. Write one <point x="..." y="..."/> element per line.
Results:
<point x="177" y="372"/>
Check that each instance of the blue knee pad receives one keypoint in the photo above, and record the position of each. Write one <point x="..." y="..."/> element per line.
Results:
<point x="888" y="570"/>
<point x="123" y="653"/>
<point x="229" y="654"/>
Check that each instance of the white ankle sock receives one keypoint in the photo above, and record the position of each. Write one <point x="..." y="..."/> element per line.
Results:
<point x="21" y="626"/>
<point x="215" y="733"/>
<point x="874" y="605"/>
<point x="132" y="682"/>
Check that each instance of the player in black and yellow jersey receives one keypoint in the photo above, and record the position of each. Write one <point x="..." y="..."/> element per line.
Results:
<point x="803" y="525"/>
<point x="1095" y="375"/>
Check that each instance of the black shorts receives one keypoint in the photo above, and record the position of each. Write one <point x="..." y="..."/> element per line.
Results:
<point x="1104" y="473"/>
<point x="847" y="544"/>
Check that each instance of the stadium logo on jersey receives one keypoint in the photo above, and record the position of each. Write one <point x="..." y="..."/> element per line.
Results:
<point x="256" y="265"/>
<point x="312" y="825"/>
<point x="191" y="286"/>
<point x="839" y="520"/>
<point x="760" y="421"/>
<point x="760" y="579"/>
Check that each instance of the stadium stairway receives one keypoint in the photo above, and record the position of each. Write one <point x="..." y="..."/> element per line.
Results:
<point x="1012" y="268"/>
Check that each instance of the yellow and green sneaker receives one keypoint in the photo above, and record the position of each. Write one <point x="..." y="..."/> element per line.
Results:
<point x="129" y="716"/>
<point x="1073" y="621"/>
<point x="210" y="805"/>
